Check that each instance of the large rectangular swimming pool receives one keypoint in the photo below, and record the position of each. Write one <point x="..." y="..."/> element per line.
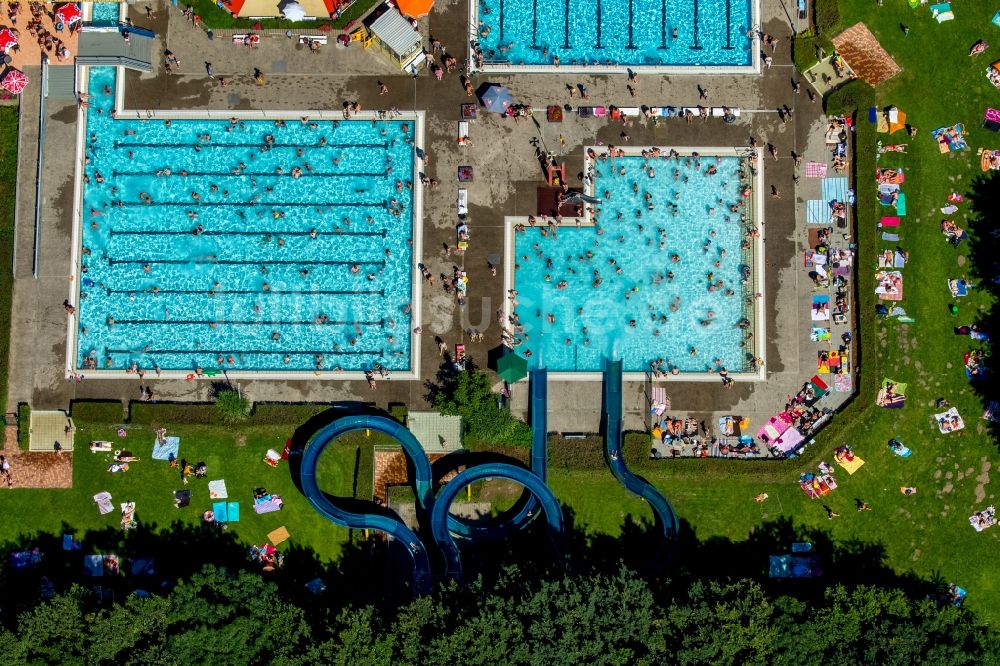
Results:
<point x="662" y="281"/>
<point x="635" y="33"/>
<point x="244" y="245"/>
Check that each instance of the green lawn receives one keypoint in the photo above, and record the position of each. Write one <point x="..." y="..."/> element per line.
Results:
<point x="8" y="177"/>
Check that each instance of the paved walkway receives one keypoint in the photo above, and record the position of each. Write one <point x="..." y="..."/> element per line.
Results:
<point x="31" y="469"/>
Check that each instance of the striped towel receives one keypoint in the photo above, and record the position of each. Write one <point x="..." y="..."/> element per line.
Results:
<point x="835" y="189"/>
<point x="660" y="400"/>
<point x="815" y="170"/>
<point x="817" y="212"/>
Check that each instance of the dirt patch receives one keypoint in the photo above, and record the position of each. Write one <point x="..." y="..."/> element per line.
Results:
<point x="240" y="441"/>
<point x="983" y="479"/>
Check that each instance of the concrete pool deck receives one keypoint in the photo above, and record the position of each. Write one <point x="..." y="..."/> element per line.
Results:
<point x="507" y="174"/>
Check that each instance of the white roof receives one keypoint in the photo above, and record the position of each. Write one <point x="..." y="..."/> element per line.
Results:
<point x="396" y="33"/>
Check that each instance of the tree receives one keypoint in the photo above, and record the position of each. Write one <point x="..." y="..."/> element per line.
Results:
<point x="468" y="394"/>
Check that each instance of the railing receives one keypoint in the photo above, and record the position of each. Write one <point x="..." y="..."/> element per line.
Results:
<point x="115" y="61"/>
<point x="38" y="173"/>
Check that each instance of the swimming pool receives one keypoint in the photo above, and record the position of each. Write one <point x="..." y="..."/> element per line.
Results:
<point x="642" y="34"/>
<point x="248" y="245"/>
<point x="105" y="14"/>
<point x="654" y="287"/>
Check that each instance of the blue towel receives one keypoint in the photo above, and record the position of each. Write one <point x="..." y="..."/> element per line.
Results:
<point x="872" y="115"/>
<point x="233" y="509"/>
<point x="817" y="212"/>
<point x="221" y="514"/>
<point x="835" y="189"/>
<point x="163" y="451"/>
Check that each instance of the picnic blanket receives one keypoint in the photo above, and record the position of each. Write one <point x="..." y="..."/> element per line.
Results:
<point x="268" y="504"/>
<point x="815" y="169"/>
<point x="958" y="288"/>
<point x="892" y="259"/>
<point x="985" y="519"/>
<point x="217" y="489"/>
<point x="890" y="175"/>
<point x="892" y="395"/>
<point x="128" y="515"/>
<point x="950" y="139"/>
<point x="889" y="285"/>
<point x="169" y="447"/>
<point x="949" y="421"/>
<point x="103" y="500"/>
<point x="842" y="382"/>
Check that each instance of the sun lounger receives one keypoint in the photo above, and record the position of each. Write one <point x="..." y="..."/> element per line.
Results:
<point x="308" y="39"/>
<point x="463" y="133"/>
<point x="103" y="501"/>
<point x="463" y="201"/>
<point x="600" y="111"/>
<point x="217" y="489"/>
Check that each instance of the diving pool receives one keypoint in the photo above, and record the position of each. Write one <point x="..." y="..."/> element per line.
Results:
<point x="592" y="35"/>
<point x="244" y="245"/>
<point x="664" y="279"/>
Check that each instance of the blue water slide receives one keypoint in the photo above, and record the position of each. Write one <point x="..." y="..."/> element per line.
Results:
<point x="664" y="512"/>
<point x="387" y="524"/>
<point x="440" y="524"/>
<point x="525" y="511"/>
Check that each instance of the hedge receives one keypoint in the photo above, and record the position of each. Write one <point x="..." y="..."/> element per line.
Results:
<point x="98" y="411"/>
<point x="23" y="425"/>
<point x="853" y="95"/>
<point x="177" y="413"/>
<point x="826" y="17"/>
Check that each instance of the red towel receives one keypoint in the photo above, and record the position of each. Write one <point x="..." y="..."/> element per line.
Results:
<point x="890" y="221"/>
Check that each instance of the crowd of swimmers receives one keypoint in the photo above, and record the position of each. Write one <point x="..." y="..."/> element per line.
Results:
<point x="249" y="208"/>
<point x="644" y="224"/>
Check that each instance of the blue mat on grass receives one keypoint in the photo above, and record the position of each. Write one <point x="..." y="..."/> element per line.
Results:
<point x="163" y="451"/>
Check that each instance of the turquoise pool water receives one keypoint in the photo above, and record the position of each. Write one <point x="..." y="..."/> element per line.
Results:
<point x="647" y="306"/>
<point x="105" y="13"/>
<point x="243" y="273"/>
<point x="617" y="32"/>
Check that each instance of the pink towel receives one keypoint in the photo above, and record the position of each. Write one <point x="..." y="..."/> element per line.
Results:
<point x="890" y="222"/>
<point x="815" y="170"/>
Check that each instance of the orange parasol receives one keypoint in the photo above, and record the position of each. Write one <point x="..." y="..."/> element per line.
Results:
<point x="415" y="8"/>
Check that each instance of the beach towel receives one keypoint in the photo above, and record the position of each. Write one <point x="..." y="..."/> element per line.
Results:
<point x="279" y="536"/>
<point x="789" y="441"/>
<point x="901" y="204"/>
<point x="233" y="512"/>
<point x="817" y="212"/>
<point x="820" y="388"/>
<point x="889" y="221"/>
<point x="886" y="236"/>
<point x="950" y="138"/>
<point x="815" y="169"/>
<point x="820" y="308"/>
<point x="948" y="210"/>
<point x="949" y="421"/>
<point x="835" y="189"/>
<point x="463" y="133"/>
<point x="128" y="515"/>
<point x="842" y="383"/>
<point x="958" y="288"/>
<point x="893" y="398"/>
<point x="463" y="202"/>
<point x="851" y="466"/>
<point x="169" y="447"/>
<point x="268" y="504"/>
<point x="220" y="512"/>
<point x="942" y="12"/>
<point x="103" y="500"/>
<point x="93" y="565"/>
<point x="217" y="489"/>
<point x="820" y="334"/>
<point x="900" y="449"/>
<point x="659" y="402"/>
<point x="983" y="520"/>
<point x="882" y="126"/>
<point x="182" y="498"/>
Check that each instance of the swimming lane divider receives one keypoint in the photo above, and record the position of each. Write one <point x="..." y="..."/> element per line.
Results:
<point x="631" y="22"/>
<point x="566" y="28"/>
<point x="248" y="262"/>
<point x="269" y="352"/>
<point x="729" y="25"/>
<point x="244" y="292"/>
<point x="244" y="204"/>
<point x="257" y="174"/>
<point x="696" y="46"/>
<point x="259" y="232"/>
<point x="202" y="145"/>
<point x="501" y="21"/>
<point x="663" y="24"/>
<point x="534" y="23"/>
<point x="245" y="322"/>
<point x="599" y="15"/>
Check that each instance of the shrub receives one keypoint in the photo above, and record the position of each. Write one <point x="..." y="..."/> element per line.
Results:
<point x="98" y="411"/>
<point x="172" y="413"/>
<point x="232" y="406"/>
<point x="577" y="453"/>
<point x="280" y="413"/>
<point x="468" y="394"/>
<point x="853" y="95"/>
<point x="398" y="411"/>
<point x="23" y="425"/>
<point x="826" y="16"/>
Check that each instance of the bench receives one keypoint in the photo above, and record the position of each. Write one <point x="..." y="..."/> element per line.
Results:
<point x="307" y="39"/>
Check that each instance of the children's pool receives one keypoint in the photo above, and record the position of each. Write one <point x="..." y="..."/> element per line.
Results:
<point x="105" y="14"/>
<point x="666" y="287"/>
<point x="249" y="245"/>
<point x="657" y="33"/>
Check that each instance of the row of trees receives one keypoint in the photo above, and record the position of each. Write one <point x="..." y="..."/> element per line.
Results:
<point x="220" y="617"/>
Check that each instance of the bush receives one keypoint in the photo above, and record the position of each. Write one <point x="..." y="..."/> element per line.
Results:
<point x="468" y="394"/>
<point x="232" y="406"/>
<point x="826" y="15"/>
<point x="98" y="411"/>
<point x="853" y="96"/>
<point x="577" y="453"/>
<point x="281" y="413"/>
<point x="23" y="425"/>
<point x="398" y="411"/>
<point x="172" y="413"/>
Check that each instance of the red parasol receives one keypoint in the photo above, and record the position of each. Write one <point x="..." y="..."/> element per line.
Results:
<point x="69" y="14"/>
<point x="14" y="81"/>
<point x="415" y="8"/>
<point x="7" y="39"/>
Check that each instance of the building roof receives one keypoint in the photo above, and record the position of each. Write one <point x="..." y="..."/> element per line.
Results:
<point x="396" y="33"/>
<point x="254" y="8"/>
